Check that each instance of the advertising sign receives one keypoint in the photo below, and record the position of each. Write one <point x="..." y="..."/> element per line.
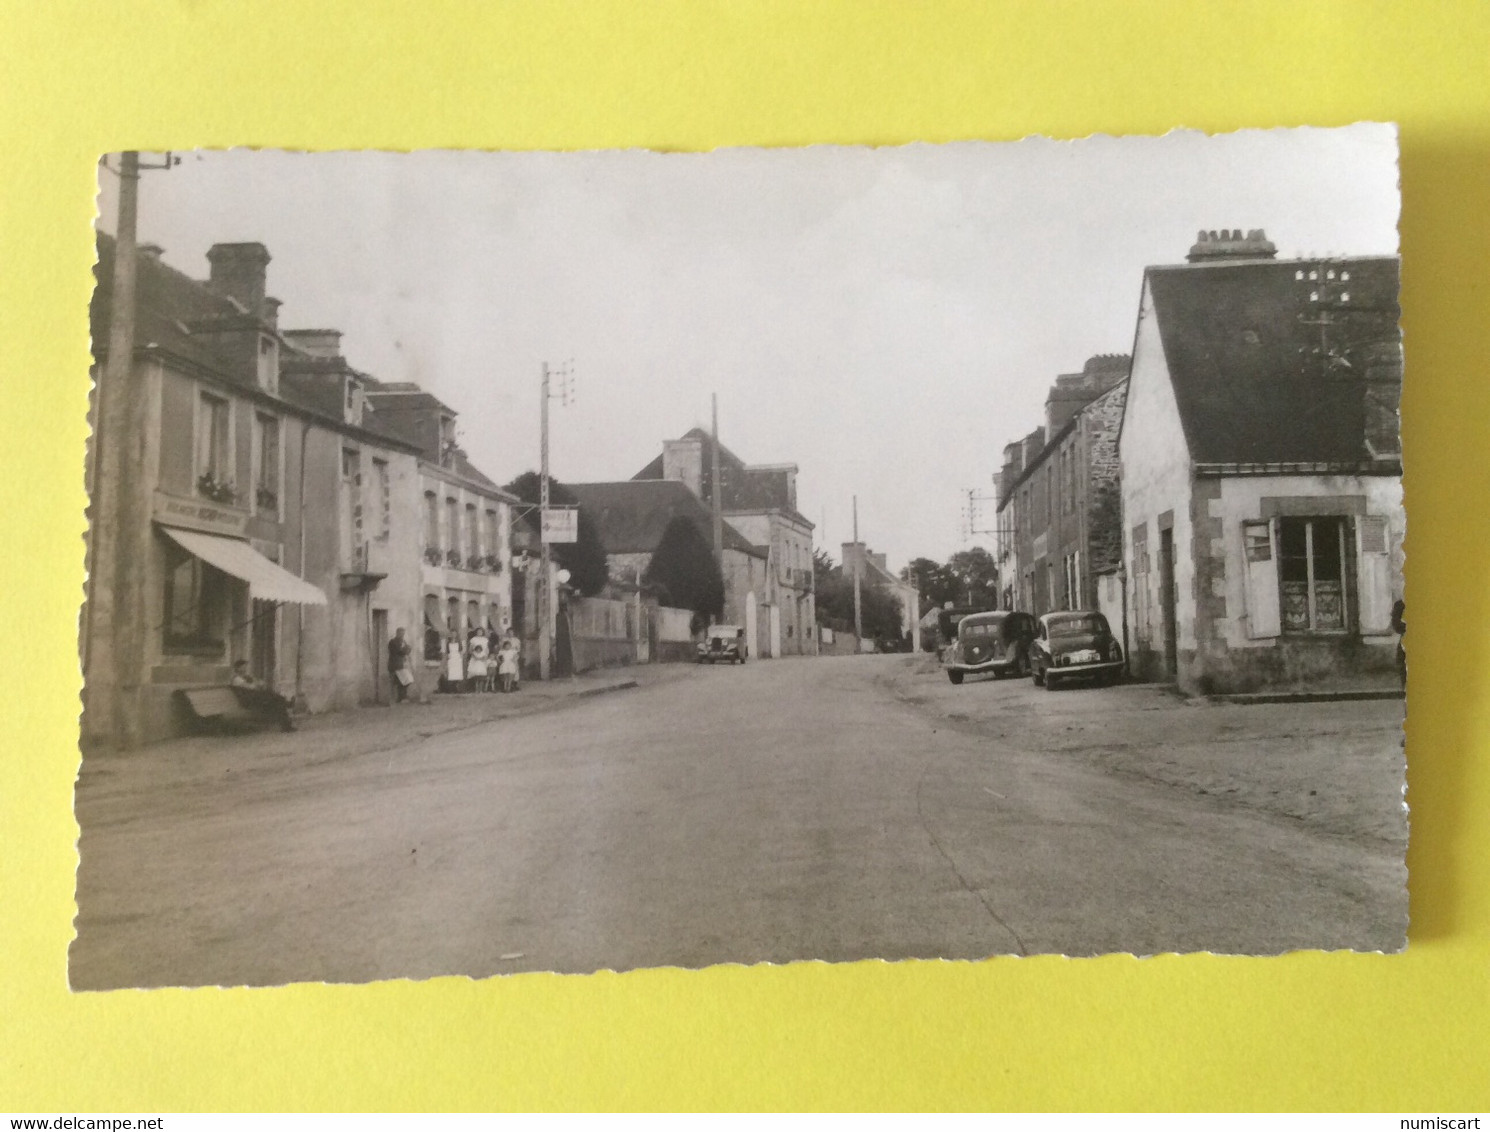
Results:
<point x="198" y="515"/>
<point x="561" y="524"/>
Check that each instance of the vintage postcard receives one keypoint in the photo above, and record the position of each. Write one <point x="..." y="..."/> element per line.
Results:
<point x="511" y="562"/>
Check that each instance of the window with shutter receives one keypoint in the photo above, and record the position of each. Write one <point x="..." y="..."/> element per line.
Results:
<point x="1374" y="570"/>
<point x="1311" y="567"/>
<point x="1263" y="610"/>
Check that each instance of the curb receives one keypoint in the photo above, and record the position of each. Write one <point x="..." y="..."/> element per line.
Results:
<point x="1341" y="696"/>
<point x="621" y="687"/>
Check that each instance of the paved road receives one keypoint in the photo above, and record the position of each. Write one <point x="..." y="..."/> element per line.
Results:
<point x="807" y="809"/>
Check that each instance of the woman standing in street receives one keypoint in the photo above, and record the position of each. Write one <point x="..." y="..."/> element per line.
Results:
<point x="455" y="664"/>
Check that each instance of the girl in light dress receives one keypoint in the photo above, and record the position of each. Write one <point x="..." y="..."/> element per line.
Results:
<point x="508" y="655"/>
<point x="478" y="661"/>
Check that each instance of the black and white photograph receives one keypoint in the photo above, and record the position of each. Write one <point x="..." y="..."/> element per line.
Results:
<point x="511" y="562"/>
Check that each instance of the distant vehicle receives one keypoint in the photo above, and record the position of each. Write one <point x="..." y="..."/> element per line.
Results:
<point x="722" y="642"/>
<point x="1075" y="645"/>
<point x="996" y="643"/>
<point x="946" y="626"/>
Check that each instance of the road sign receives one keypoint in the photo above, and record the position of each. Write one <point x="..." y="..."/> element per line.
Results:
<point x="561" y="524"/>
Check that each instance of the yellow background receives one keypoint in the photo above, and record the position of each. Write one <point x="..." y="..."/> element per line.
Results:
<point x="1309" y="1031"/>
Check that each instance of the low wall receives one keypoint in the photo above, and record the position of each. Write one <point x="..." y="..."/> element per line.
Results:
<point x="837" y="642"/>
<point x="672" y="636"/>
<point x="602" y="633"/>
<point x="590" y="653"/>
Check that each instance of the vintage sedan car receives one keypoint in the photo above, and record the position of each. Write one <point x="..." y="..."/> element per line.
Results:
<point x="1075" y="645"/>
<point x="722" y="642"/>
<point x="996" y="643"/>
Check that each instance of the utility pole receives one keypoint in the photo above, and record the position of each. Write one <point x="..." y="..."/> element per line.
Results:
<point x="714" y="485"/>
<point x="545" y="601"/>
<point x="858" y="568"/>
<point x="108" y="612"/>
<point x="119" y="505"/>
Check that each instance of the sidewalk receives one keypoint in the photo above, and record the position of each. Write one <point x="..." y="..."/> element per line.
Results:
<point x="1332" y="759"/>
<point x="333" y="736"/>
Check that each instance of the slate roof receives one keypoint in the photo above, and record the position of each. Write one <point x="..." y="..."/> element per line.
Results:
<point x="1242" y="342"/>
<point x="631" y="515"/>
<point x="167" y="301"/>
<point x="169" y="304"/>
<point x="464" y="467"/>
<point x="743" y="488"/>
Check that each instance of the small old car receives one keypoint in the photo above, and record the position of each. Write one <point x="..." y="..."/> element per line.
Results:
<point x="1072" y="646"/>
<point x="996" y="643"/>
<point x="722" y="642"/>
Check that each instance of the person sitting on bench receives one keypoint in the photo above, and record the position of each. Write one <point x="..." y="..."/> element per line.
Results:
<point x="253" y="694"/>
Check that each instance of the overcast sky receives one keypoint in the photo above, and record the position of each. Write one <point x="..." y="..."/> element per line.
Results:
<point x="887" y="319"/>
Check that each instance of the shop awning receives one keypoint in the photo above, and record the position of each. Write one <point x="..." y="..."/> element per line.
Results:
<point x="266" y="580"/>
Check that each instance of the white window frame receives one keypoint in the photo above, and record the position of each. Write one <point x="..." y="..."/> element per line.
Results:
<point x="199" y="456"/>
<point x="382" y="475"/>
<point x="256" y="461"/>
<point x="1312" y="591"/>
<point x="353" y="508"/>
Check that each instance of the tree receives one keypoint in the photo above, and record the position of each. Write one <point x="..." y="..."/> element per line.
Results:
<point x="935" y="582"/>
<point x="683" y="571"/>
<point x="584" y="559"/>
<point x="977" y="577"/>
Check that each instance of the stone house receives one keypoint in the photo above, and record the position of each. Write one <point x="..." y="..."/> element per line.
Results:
<point x="874" y="570"/>
<point x="466" y="573"/>
<point x="633" y="515"/>
<point x="1059" y="526"/>
<point x="281" y="528"/>
<point x="760" y="502"/>
<point x="1262" y="497"/>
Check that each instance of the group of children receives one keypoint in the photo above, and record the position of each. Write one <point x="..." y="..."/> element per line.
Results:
<point x="476" y="667"/>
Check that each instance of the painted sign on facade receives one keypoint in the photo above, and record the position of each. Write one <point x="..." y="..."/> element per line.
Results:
<point x="198" y="515"/>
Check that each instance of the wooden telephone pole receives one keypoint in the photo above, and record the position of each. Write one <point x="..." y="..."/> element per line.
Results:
<point x="858" y="569"/>
<point x="714" y="493"/>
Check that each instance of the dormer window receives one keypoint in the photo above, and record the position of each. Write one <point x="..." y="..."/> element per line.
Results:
<point x="267" y="368"/>
<point x="447" y="441"/>
<point x="352" y="402"/>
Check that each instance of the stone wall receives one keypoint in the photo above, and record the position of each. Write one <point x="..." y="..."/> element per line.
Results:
<point x="1100" y="423"/>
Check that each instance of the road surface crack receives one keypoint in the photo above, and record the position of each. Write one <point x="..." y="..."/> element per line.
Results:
<point x="951" y="864"/>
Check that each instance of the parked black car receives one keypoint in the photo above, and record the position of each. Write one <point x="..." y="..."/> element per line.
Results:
<point x="945" y="635"/>
<point x="994" y="643"/>
<point x="1075" y="645"/>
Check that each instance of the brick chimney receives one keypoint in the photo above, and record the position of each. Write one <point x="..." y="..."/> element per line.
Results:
<point x="1230" y="244"/>
<point x="683" y="460"/>
<point x="316" y="343"/>
<point x="1031" y="446"/>
<point x="238" y="271"/>
<point x="1073" y="392"/>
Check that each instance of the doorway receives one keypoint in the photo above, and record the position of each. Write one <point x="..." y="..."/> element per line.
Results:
<point x="379" y="654"/>
<point x="1169" y="602"/>
<point x="263" y="642"/>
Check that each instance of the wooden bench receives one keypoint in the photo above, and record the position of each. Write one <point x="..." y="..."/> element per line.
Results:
<point x="222" y="707"/>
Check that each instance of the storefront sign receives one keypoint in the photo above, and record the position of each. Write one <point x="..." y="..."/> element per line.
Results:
<point x="561" y="524"/>
<point x="199" y="515"/>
